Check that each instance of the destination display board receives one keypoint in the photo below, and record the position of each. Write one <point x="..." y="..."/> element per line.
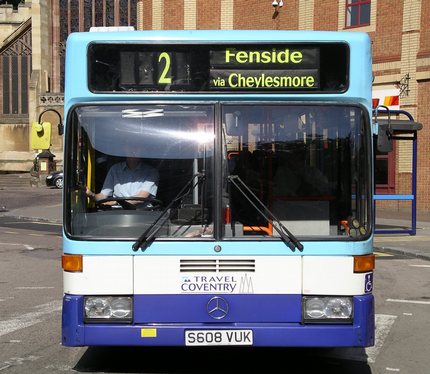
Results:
<point x="288" y="67"/>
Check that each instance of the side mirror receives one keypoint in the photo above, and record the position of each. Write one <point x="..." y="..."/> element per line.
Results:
<point x="384" y="141"/>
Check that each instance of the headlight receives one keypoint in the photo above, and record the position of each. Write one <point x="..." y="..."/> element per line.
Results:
<point x="108" y="309"/>
<point x="328" y="309"/>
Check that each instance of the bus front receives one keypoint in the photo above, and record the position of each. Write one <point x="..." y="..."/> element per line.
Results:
<point x="259" y="230"/>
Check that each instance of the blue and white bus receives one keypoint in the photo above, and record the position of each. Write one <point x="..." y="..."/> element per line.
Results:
<point x="261" y="230"/>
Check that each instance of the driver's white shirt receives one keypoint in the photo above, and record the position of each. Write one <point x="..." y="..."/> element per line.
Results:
<point x="121" y="181"/>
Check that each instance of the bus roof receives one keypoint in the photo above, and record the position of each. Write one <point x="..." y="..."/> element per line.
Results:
<point x="220" y="36"/>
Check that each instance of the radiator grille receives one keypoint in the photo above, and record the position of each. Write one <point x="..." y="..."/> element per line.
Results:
<point x="217" y="265"/>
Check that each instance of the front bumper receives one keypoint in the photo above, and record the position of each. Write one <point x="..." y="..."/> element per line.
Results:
<point x="281" y="329"/>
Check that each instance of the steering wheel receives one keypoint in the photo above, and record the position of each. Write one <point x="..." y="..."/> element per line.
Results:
<point x="154" y="204"/>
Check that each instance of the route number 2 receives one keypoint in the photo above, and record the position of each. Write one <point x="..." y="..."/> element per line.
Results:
<point x="164" y="62"/>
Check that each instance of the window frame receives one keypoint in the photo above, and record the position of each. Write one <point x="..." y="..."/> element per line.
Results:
<point x="349" y="5"/>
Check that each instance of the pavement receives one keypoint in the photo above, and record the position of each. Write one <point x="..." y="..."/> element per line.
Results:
<point x="44" y="204"/>
<point x="402" y="242"/>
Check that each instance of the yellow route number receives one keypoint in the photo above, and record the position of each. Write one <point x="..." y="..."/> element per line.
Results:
<point x="165" y="61"/>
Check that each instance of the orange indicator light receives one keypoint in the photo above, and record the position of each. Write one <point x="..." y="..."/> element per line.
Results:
<point x="71" y="263"/>
<point x="364" y="264"/>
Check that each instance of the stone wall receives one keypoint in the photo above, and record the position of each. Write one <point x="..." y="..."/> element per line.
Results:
<point x="10" y="19"/>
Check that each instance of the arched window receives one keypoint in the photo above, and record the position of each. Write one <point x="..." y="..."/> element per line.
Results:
<point x="15" y="67"/>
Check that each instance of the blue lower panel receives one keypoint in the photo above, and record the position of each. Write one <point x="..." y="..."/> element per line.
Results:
<point x="194" y="308"/>
<point x="265" y="334"/>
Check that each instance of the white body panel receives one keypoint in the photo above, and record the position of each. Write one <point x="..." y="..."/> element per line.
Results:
<point x="313" y="275"/>
<point x="324" y="275"/>
<point x="272" y="274"/>
<point x="102" y="275"/>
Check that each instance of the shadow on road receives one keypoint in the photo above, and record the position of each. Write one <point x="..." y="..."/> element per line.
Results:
<point x="215" y="360"/>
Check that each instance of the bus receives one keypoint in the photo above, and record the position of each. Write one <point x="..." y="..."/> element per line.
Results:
<point x="260" y="232"/>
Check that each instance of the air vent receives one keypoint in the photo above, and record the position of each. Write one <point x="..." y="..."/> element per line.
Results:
<point x="236" y="265"/>
<point x="198" y="265"/>
<point x="206" y="265"/>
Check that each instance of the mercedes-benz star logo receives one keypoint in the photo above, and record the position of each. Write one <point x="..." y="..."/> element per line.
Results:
<point x="217" y="307"/>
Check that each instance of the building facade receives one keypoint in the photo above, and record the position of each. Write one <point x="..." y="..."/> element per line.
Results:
<point x="33" y="35"/>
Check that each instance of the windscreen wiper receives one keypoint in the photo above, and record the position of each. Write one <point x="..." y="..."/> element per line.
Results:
<point x="287" y="237"/>
<point x="148" y="235"/>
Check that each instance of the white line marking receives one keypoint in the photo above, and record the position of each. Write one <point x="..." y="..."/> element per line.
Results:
<point x="28" y="319"/>
<point x="26" y="246"/>
<point x="407" y="314"/>
<point x="382" y="254"/>
<point x="409" y="301"/>
<point x="383" y="326"/>
<point x="392" y="369"/>
<point x="33" y="288"/>
<point x="18" y="244"/>
<point x="13" y="361"/>
<point x="8" y="298"/>
<point x="59" y="368"/>
<point x="37" y="223"/>
<point x="420" y="266"/>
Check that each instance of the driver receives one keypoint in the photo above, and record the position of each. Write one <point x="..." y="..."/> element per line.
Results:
<point x="129" y="178"/>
